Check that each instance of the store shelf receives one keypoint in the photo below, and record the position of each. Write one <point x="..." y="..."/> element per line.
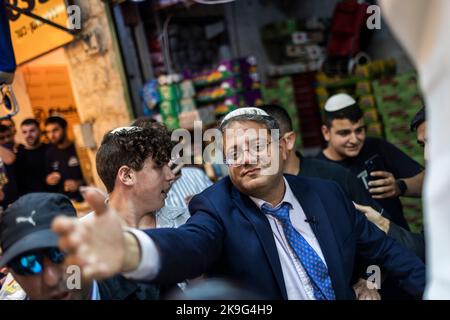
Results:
<point x="204" y="84"/>
<point x="290" y="69"/>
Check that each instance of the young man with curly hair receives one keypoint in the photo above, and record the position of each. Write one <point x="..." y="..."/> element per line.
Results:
<point x="132" y="162"/>
<point x="189" y="181"/>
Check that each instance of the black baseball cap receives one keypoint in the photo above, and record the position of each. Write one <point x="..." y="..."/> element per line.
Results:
<point x="418" y="119"/>
<point x="26" y="224"/>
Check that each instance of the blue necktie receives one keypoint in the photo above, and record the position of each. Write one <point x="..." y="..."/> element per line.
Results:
<point x="314" y="266"/>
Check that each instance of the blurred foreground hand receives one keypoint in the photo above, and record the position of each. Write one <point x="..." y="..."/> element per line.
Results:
<point x="98" y="244"/>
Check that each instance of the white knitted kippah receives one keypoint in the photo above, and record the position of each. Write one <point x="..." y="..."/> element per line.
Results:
<point x="244" y="111"/>
<point x="338" y="102"/>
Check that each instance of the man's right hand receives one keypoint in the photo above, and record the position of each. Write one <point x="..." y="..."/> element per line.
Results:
<point x="97" y="244"/>
<point x="363" y="292"/>
<point x="53" y="178"/>
<point x="383" y="187"/>
<point x="374" y="216"/>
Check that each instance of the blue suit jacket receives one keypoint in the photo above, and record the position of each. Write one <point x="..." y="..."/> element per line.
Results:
<point x="228" y="236"/>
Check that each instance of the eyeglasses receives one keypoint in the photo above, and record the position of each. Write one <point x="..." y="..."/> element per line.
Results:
<point x="235" y="157"/>
<point x="32" y="263"/>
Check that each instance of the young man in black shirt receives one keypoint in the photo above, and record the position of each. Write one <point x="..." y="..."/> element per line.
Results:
<point x="30" y="163"/>
<point x="398" y="174"/>
<point x="62" y="164"/>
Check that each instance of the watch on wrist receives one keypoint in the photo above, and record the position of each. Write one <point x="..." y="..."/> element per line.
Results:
<point x="402" y="186"/>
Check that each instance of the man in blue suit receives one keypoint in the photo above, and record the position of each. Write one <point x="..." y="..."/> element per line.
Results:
<point x="284" y="237"/>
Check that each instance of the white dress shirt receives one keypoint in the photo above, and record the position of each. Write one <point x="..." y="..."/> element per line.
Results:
<point x="297" y="282"/>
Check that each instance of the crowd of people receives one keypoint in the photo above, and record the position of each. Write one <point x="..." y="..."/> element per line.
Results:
<point x="36" y="166"/>
<point x="279" y="226"/>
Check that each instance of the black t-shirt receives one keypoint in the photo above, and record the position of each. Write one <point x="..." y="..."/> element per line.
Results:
<point x="352" y="187"/>
<point x="66" y="162"/>
<point x="394" y="161"/>
<point x="31" y="169"/>
<point x="350" y="184"/>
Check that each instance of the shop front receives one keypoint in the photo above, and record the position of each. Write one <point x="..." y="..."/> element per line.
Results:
<point x="73" y="73"/>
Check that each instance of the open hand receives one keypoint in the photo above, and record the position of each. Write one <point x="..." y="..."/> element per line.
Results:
<point x="96" y="243"/>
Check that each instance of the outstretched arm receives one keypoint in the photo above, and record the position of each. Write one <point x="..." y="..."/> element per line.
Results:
<point x="410" y="240"/>
<point x="99" y="245"/>
<point x="103" y="247"/>
<point x="399" y="262"/>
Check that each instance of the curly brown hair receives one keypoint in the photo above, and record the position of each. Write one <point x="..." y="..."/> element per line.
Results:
<point x="131" y="146"/>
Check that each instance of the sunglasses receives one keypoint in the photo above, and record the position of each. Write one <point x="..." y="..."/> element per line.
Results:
<point x="31" y="263"/>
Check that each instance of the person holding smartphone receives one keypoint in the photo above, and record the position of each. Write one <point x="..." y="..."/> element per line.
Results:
<point x="411" y="240"/>
<point x="386" y="172"/>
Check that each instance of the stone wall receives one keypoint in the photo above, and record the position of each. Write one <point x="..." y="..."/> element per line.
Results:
<point x="100" y="94"/>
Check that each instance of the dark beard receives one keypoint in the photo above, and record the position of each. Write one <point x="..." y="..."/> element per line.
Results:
<point x="34" y="143"/>
<point x="61" y="140"/>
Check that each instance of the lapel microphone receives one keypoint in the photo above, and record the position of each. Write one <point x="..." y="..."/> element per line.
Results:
<point x="311" y="220"/>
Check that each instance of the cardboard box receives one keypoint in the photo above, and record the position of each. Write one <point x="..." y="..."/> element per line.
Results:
<point x="170" y="108"/>
<point x="170" y="92"/>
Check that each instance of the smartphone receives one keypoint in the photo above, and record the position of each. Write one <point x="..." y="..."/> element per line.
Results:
<point x="375" y="163"/>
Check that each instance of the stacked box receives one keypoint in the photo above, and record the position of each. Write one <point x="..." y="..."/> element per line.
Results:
<point x="300" y="42"/>
<point x="169" y="106"/>
<point x="308" y="109"/>
<point x="360" y="86"/>
<point x="398" y="100"/>
<point x="170" y="92"/>
<point x="176" y="97"/>
<point x="230" y="85"/>
<point x="281" y="92"/>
